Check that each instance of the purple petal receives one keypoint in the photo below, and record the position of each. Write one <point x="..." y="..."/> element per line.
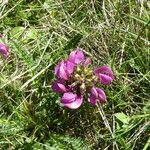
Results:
<point x="68" y="98"/>
<point x="105" y="74"/>
<point x="92" y="100"/>
<point x="93" y="92"/>
<point x="69" y="67"/>
<point x="75" y="104"/>
<point x="97" y="94"/>
<point x="64" y="69"/>
<point x="87" y="61"/>
<point x="79" y="57"/>
<point x="101" y="95"/>
<point x="60" y="71"/>
<point x="72" y="56"/>
<point x="76" y="56"/>
<point x="104" y="70"/>
<point x="57" y="69"/>
<point x="59" y="86"/>
<point x="105" y="79"/>
<point x="4" y="50"/>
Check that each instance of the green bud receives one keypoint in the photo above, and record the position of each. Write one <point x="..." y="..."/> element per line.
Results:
<point x="77" y="76"/>
<point x="74" y="83"/>
<point x="83" y="86"/>
<point x="86" y="70"/>
<point x="78" y="69"/>
<point x="90" y="72"/>
<point x="95" y="78"/>
<point x="89" y="80"/>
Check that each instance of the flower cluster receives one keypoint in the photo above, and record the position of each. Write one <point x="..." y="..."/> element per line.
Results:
<point x="4" y="50"/>
<point x="76" y="77"/>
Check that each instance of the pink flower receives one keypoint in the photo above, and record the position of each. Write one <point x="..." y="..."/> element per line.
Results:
<point x="64" y="69"/>
<point x="4" y="50"/>
<point x="76" y="75"/>
<point x="97" y="94"/>
<point x="104" y="74"/>
<point x="72" y="101"/>
<point x="59" y="86"/>
<point x="76" y="56"/>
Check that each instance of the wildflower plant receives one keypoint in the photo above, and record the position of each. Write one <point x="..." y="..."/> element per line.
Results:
<point x="76" y="78"/>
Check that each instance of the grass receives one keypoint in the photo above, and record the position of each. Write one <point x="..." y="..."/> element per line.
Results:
<point x="42" y="32"/>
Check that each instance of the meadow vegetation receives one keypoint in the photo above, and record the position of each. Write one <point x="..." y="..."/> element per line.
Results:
<point x="39" y="34"/>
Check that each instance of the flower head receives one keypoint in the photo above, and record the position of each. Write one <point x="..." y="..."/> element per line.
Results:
<point x="104" y="74"/>
<point x="77" y="79"/>
<point x="4" y="50"/>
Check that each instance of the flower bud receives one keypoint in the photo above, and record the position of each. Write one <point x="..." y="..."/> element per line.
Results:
<point x="78" y="69"/>
<point x="82" y="86"/>
<point x="77" y="76"/>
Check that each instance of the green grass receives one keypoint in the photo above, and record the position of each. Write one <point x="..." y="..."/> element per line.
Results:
<point x="42" y="32"/>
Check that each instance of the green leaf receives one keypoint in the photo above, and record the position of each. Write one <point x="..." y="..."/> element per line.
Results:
<point x="122" y="117"/>
<point x="16" y="32"/>
<point x="31" y="34"/>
